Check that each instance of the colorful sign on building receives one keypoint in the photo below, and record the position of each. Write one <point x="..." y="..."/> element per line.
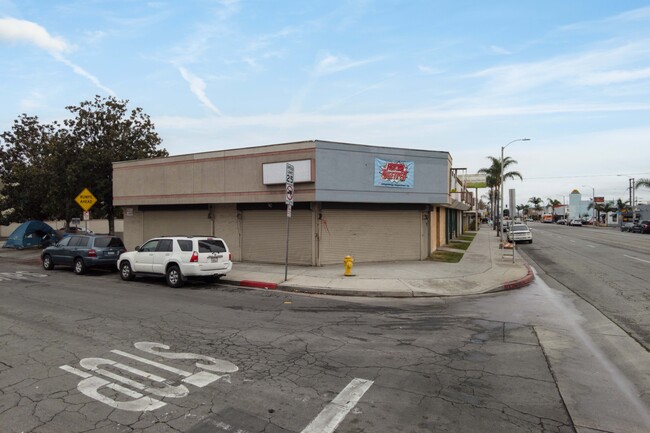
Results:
<point x="394" y="174"/>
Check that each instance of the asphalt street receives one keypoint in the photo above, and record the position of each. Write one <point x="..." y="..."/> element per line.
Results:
<point x="85" y="354"/>
<point x="93" y="353"/>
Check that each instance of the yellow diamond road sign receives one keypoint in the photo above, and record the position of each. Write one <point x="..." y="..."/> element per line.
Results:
<point x="85" y="199"/>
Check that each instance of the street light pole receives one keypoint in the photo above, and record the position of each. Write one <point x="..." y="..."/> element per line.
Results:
<point x="501" y="189"/>
<point x="593" y="210"/>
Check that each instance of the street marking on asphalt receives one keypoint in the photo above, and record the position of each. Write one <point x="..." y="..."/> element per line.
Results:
<point x="636" y="258"/>
<point x="332" y="415"/>
<point x="19" y="275"/>
<point x="161" y="387"/>
<point x="591" y="246"/>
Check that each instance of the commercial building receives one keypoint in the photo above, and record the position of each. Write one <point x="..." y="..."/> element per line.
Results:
<point x="373" y="203"/>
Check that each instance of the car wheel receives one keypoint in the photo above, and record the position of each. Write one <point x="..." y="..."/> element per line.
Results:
<point x="126" y="273"/>
<point x="174" y="277"/>
<point x="48" y="264"/>
<point x="79" y="266"/>
<point x="530" y="241"/>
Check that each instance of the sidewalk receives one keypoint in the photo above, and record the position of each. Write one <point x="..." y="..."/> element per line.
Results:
<point x="481" y="270"/>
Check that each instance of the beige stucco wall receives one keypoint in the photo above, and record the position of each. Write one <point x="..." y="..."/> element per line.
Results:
<point x="229" y="176"/>
<point x="226" y="225"/>
<point x="221" y="220"/>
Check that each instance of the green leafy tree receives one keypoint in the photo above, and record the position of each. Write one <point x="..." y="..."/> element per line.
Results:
<point x="24" y="154"/>
<point x="107" y="131"/>
<point x="44" y="167"/>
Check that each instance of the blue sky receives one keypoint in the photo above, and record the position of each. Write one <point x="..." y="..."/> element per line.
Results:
<point x="461" y="76"/>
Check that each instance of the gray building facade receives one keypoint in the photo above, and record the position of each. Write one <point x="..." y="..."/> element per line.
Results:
<point x="374" y="203"/>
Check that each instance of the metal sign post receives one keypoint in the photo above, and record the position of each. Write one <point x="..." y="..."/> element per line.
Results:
<point x="289" y="202"/>
<point x="86" y="200"/>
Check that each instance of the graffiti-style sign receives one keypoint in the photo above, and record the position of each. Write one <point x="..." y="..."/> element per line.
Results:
<point x="138" y="396"/>
<point x="394" y="174"/>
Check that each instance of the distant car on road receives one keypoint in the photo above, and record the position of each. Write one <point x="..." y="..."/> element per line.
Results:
<point x="82" y="252"/>
<point x="641" y="227"/>
<point x="645" y="226"/>
<point x="561" y="221"/>
<point x="520" y="233"/>
<point x="575" y="223"/>
<point x="627" y="227"/>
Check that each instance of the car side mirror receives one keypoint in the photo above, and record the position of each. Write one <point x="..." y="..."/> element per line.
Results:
<point x="137" y="248"/>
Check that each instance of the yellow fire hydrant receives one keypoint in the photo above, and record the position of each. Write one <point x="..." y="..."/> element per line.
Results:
<point x="348" y="261"/>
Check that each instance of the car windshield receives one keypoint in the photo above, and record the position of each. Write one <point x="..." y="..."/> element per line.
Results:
<point x="519" y="228"/>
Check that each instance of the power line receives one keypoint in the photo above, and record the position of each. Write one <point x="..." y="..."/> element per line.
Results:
<point x="584" y="175"/>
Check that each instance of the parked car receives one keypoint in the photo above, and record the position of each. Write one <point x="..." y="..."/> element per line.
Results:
<point x="82" y="252"/>
<point x="561" y="221"/>
<point x="575" y="222"/>
<point x="641" y="227"/>
<point x="520" y="233"/>
<point x="627" y="227"/>
<point x="178" y="258"/>
<point x="645" y="226"/>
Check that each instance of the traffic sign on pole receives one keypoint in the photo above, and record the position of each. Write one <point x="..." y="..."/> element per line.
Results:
<point x="289" y="198"/>
<point x="85" y="199"/>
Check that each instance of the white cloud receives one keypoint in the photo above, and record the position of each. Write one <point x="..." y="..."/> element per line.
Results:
<point x="82" y="72"/>
<point x="570" y="69"/>
<point x="499" y="50"/>
<point x="198" y="86"/>
<point x="611" y="77"/>
<point x="15" y="30"/>
<point x="332" y="64"/>
<point x="429" y="70"/>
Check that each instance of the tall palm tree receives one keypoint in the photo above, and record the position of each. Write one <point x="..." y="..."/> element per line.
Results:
<point x="607" y="208"/>
<point x="553" y="203"/>
<point x="642" y="182"/>
<point x="520" y="208"/>
<point x="494" y="180"/>
<point x="536" y="202"/>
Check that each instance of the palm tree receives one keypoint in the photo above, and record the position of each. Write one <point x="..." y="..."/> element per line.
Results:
<point x="607" y="208"/>
<point x="520" y="208"/>
<point x="621" y="205"/>
<point x="494" y="180"/>
<point x="536" y="202"/>
<point x="642" y="182"/>
<point x="553" y="203"/>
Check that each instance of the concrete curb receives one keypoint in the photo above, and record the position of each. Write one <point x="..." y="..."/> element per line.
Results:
<point x="250" y="283"/>
<point x="521" y="282"/>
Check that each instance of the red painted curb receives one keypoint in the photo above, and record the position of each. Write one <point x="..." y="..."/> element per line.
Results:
<point x="522" y="282"/>
<point x="258" y="284"/>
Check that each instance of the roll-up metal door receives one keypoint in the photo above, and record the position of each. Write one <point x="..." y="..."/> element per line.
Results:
<point x="178" y="222"/>
<point x="264" y="236"/>
<point x="370" y="235"/>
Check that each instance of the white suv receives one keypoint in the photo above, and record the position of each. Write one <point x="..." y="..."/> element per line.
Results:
<point x="177" y="258"/>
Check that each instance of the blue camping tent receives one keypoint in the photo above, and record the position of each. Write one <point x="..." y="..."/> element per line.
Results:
<point x="32" y="233"/>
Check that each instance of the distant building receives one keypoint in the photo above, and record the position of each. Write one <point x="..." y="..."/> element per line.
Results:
<point x="578" y="207"/>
